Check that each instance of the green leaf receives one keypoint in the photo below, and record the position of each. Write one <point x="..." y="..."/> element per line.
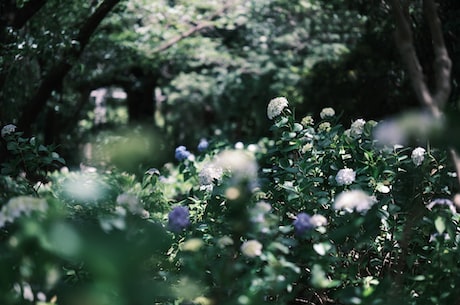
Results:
<point x="322" y="248"/>
<point x="440" y="224"/>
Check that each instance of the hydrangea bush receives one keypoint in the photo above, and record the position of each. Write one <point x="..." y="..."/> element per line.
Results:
<point x="319" y="213"/>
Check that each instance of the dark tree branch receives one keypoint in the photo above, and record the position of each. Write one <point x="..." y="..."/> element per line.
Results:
<point x="442" y="62"/>
<point x="404" y="39"/>
<point x="188" y="33"/>
<point x="61" y="68"/>
<point x="18" y="17"/>
<point x="200" y="26"/>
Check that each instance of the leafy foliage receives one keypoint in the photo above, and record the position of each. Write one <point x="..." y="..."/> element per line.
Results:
<point x="316" y="213"/>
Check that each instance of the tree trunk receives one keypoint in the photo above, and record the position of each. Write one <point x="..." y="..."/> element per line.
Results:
<point x="62" y="67"/>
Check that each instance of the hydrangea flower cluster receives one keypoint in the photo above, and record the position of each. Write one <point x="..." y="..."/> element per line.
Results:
<point x="345" y="176"/>
<point x="178" y="219"/>
<point x="354" y="200"/>
<point x="357" y="127"/>
<point x="240" y="164"/>
<point x="307" y="121"/>
<point x="276" y="106"/>
<point x="251" y="248"/>
<point x="304" y="222"/>
<point x="8" y="129"/>
<point x="210" y="173"/>
<point x="418" y="155"/>
<point x="224" y="241"/>
<point x="324" y="126"/>
<point x="327" y="112"/>
<point x="18" y="206"/>
<point x="182" y="153"/>
<point x="260" y="216"/>
<point x="192" y="244"/>
<point x="307" y="147"/>
<point x="132" y="203"/>
<point x="202" y="145"/>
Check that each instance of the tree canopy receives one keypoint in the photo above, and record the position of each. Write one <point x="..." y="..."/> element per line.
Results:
<point x="193" y="68"/>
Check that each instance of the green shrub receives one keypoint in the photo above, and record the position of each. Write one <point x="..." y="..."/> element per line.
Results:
<point x="319" y="213"/>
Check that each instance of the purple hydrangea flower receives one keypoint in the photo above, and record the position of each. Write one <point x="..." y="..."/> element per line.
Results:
<point x="182" y="153"/>
<point x="302" y="223"/>
<point x="203" y="145"/>
<point x="178" y="219"/>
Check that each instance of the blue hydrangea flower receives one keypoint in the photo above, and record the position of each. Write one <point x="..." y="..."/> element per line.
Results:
<point x="302" y="223"/>
<point x="203" y="145"/>
<point x="182" y="153"/>
<point x="178" y="219"/>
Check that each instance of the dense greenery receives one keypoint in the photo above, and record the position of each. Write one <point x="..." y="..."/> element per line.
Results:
<point x="190" y="68"/>
<point x="318" y="213"/>
<point x="145" y="160"/>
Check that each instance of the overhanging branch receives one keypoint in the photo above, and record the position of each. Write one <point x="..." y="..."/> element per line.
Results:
<point x="192" y="30"/>
<point x="57" y="72"/>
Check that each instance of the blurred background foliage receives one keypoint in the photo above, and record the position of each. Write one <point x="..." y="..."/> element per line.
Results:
<point x="196" y="69"/>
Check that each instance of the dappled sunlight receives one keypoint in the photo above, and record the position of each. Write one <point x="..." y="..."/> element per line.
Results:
<point x="236" y="152"/>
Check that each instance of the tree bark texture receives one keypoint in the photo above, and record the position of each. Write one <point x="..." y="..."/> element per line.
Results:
<point x="436" y="100"/>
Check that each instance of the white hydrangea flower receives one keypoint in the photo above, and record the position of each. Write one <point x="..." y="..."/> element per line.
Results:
<point x="327" y="112"/>
<point x="357" y="127"/>
<point x="318" y="220"/>
<point x="276" y="106"/>
<point x="192" y="244"/>
<point x="239" y="145"/>
<point x="345" y="176"/>
<point x="8" y="129"/>
<point x="145" y="214"/>
<point x="251" y="248"/>
<point x="382" y="188"/>
<point x="239" y="163"/>
<point x="263" y="206"/>
<point x="21" y="205"/>
<point x="354" y="200"/>
<point x="224" y="241"/>
<point x="253" y="148"/>
<point x="130" y="202"/>
<point x="418" y="155"/>
<point x="307" y="147"/>
<point x="325" y="126"/>
<point x="209" y="173"/>
<point x="307" y="121"/>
